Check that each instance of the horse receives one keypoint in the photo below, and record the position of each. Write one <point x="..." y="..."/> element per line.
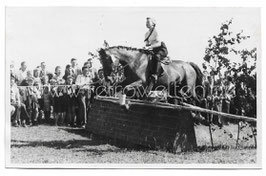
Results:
<point x="186" y="75"/>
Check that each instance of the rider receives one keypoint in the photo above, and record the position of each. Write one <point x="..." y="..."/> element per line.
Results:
<point x="158" y="47"/>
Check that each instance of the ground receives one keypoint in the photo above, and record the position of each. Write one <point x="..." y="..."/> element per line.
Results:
<point x="52" y="144"/>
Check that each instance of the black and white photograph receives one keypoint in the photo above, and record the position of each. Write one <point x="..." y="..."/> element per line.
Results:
<point x="141" y="87"/>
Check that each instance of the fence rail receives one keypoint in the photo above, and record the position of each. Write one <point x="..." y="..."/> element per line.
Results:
<point x="184" y="106"/>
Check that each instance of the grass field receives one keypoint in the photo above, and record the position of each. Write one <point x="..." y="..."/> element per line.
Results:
<point x="51" y="144"/>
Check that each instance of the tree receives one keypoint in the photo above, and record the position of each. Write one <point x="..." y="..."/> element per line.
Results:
<point x="220" y="48"/>
<point x="218" y="62"/>
<point x="245" y="80"/>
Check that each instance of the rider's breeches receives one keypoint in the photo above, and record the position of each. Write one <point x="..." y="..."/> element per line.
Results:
<point x="156" y="63"/>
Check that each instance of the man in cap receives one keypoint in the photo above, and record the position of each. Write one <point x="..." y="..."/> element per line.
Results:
<point x="158" y="47"/>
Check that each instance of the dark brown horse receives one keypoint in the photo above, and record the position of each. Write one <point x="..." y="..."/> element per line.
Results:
<point x="186" y="75"/>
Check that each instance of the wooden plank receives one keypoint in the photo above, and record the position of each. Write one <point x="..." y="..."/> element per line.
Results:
<point x="184" y="106"/>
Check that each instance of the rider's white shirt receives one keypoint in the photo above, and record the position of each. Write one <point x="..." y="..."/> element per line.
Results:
<point x="153" y="39"/>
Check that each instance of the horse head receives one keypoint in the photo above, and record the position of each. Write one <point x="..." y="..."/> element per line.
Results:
<point x="107" y="64"/>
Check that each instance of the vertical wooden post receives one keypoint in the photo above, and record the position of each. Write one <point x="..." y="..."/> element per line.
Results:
<point x="254" y="135"/>
<point x="238" y="131"/>
<point x="210" y="131"/>
<point x="209" y="122"/>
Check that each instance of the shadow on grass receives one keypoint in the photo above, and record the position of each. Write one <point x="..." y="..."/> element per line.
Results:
<point x="94" y="143"/>
<point x="57" y="144"/>
<point x="123" y="145"/>
<point x="97" y="144"/>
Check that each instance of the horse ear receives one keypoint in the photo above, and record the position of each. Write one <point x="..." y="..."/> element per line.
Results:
<point x="105" y="44"/>
<point x="91" y="54"/>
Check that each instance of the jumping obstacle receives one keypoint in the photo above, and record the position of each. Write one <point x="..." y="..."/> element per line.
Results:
<point x="153" y="125"/>
<point x="156" y="125"/>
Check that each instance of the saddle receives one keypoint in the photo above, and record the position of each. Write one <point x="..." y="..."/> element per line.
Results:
<point x="165" y="62"/>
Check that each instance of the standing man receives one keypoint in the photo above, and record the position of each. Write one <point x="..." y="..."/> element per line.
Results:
<point x="74" y="68"/>
<point x="93" y="71"/>
<point x="83" y="82"/>
<point x="22" y="73"/>
<point x="158" y="47"/>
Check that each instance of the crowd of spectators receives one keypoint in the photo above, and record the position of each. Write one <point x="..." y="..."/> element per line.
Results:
<point x="219" y="96"/>
<point x="39" y="96"/>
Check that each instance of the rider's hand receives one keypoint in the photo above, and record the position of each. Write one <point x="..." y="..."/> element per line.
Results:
<point x="148" y="48"/>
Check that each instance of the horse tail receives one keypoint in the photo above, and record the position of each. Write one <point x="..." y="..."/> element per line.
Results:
<point x="198" y="72"/>
<point x="199" y="79"/>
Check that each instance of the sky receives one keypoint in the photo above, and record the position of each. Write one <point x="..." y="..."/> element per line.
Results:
<point x="57" y="34"/>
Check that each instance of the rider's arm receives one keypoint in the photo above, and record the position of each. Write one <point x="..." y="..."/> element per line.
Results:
<point x="156" y="45"/>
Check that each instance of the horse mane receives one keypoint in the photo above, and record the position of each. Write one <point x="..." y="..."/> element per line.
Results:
<point x="144" y="51"/>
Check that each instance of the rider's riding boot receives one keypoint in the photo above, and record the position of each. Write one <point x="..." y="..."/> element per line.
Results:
<point x="156" y="70"/>
<point x="154" y="76"/>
